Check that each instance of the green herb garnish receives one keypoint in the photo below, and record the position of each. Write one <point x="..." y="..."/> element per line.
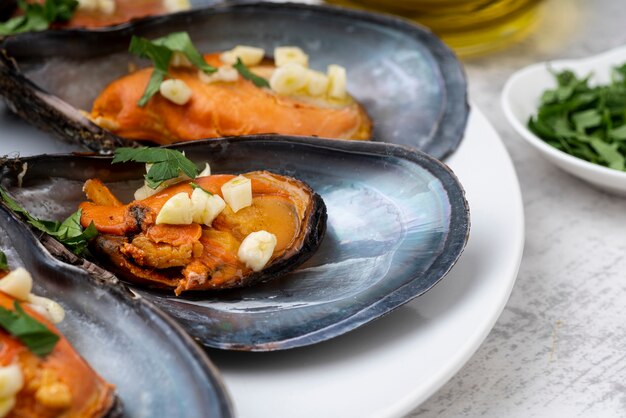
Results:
<point x="166" y="163"/>
<point x="69" y="232"/>
<point x="586" y="122"/>
<point x="160" y="52"/>
<point x="249" y="75"/>
<point x="197" y="186"/>
<point x="4" y="264"/>
<point x="38" y="17"/>
<point x="32" y="333"/>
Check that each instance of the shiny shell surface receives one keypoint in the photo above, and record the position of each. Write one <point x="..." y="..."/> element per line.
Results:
<point x="158" y="370"/>
<point x="397" y="222"/>
<point x="409" y="82"/>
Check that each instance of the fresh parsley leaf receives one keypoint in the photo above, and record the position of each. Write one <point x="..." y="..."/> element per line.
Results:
<point x="69" y="232"/>
<point x="181" y="42"/>
<point x="249" y="75"/>
<point x="4" y="264"/>
<point x="166" y="163"/>
<point x="32" y="333"/>
<point x="160" y="57"/>
<point x="197" y="186"/>
<point x="38" y="17"/>
<point x="160" y="52"/>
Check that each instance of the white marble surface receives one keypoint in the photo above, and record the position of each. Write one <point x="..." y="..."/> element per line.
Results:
<point x="559" y="347"/>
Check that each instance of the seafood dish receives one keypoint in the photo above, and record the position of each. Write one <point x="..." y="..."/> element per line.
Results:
<point x="210" y="233"/>
<point x="41" y="373"/>
<point x="263" y="68"/>
<point x="396" y="222"/>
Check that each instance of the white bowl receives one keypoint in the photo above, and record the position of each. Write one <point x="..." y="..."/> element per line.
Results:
<point x="521" y="98"/>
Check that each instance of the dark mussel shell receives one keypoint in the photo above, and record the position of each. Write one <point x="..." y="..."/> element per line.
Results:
<point x="410" y="83"/>
<point x="158" y="370"/>
<point x="397" y="222"/>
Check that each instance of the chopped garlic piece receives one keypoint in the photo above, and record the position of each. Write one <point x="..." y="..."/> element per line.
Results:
<point x="206" y="172"/>
<point x="318" y="83"/>
<point x="17" y="283"/>
<point x="11" y="380"/>
<point x="180" y="60"/>
<point x="176" y="91"/>
<point x="256" y="249"/>
<point x="106" y="7"/>
<point x="176" y="211"/>
<point x="225" y="73"/>
<point x="337" y="78"/>
<point x="206" y="207"/>
<point x="238" y="193"/>
<point x="176" y="5"/>
<point x="146" y="191"/>
<point x="88" y="5"/>
<point x="249" y="55"/>
<point x="290" y="55"/>
<point x="106" y="123"/>
<point x="289" y="79"/>
<point x="52" y="310"/>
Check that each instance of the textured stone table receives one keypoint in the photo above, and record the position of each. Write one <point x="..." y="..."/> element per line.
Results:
<point x="559" y="348"/>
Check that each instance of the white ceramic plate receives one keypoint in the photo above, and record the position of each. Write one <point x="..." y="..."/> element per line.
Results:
<point x="388" y="367"/>
<point x="520" y="100"/>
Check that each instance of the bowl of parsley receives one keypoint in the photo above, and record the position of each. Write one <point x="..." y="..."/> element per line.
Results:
<point x="574" y="113"/>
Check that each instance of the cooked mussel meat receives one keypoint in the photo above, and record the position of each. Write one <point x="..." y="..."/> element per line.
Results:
<point x="215" y="232"/>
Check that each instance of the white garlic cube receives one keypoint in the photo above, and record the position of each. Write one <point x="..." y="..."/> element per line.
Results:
<point x="11" y="380"/>
<point x="289" y="79"/>
<point x="173" y="6"/>
<point x="206" y="207"/>
<point x="176" y="211"/>
<point x="176" y="91"/>
<point x="290" y="55"/>
<point x="106" y="7"/>
<point x="317" y="84"/>
<point x="337" y="82"/>
<point x="256" y="249"/>
<point x="51" y="309"/>
<point x="17" y="283"/>
<point x="238" y="193"/>
<point x="249" y="55"/>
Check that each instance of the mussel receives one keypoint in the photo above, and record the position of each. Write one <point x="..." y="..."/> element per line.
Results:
<point x="409" y="83"/>
<point x="124" y="338"/>
<point x="196" y="256"/>
<point x="397" y="222"/>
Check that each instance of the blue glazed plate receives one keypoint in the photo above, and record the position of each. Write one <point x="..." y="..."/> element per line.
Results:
<point x="410" y="83"/>
<point x="158" y="371"/>
<point x="397" y="222"/>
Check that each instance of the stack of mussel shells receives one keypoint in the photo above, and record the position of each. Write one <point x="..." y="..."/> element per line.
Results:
<point x="389" y="218"/>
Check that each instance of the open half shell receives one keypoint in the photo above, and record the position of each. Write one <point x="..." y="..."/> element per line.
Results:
<point x="409" y="82"/>
<point x="397" y="222"/>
